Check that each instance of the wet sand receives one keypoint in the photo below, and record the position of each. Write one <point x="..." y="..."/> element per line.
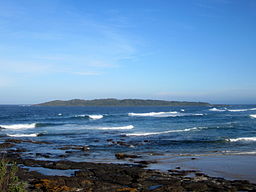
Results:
<point x="231" y="167"/>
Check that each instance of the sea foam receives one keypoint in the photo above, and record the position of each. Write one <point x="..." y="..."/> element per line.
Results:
<point x="116" y="128"/>
<point x="242" y="139"/>
<point x="253" y="116"/>
<point x="215" y="109"/>
<point x="161" y="132"/>
<point x="232" y="110"/>
<point x="95" y="117"/>
<point x="19" y="126"/>
<point x="155" y="114"/>
<point x="164" y="114"/>
<point x="23" y="135"/>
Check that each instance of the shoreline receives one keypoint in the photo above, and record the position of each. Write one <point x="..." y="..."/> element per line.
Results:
<point x="91" y="176"/>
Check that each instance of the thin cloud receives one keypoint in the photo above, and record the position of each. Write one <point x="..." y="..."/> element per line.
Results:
<point x="87" y="73"/>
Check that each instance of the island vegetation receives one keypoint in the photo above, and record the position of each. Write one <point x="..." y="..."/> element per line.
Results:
<point x="123" y="102"/>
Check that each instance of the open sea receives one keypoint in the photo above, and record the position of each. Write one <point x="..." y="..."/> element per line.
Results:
<point x="134" y="130"/>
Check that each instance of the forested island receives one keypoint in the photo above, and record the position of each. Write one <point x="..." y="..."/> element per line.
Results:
<point x="123" y="102"/>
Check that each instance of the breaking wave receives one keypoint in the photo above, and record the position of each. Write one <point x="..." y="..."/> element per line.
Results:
<point x="155" y="114"/>
<point x="215" y="109"/>
<point x="253" y="116"/>
<point x="95" y="116"/>
<point x="116" y="128"/>
<point x="19" y="126"/>
<point x="161" y="132"/>
<point x="242" y="139"/>
<point x="28" y="125"/>
<point x="164" y="114"/>
<point x="23" y="135"/>
<point x="231" y="110"/>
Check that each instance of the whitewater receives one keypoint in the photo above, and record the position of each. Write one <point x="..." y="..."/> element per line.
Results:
<point x="110" y="130"/>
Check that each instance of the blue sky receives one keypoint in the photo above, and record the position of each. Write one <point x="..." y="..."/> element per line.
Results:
<point x="194" y="50"/>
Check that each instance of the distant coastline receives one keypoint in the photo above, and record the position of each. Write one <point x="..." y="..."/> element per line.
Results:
<point x="123" y="102"/>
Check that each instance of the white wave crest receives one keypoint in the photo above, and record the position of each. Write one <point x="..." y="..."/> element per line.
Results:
<point x="162" y="132"/>
<point x="95" y="116"/>
<point x="155" y="114"/>
<point x="242" y="139"/>
<point x="253" y="116"/>
<point x="238" y="110"/>
<point x="215" y="109"/>
<point x="241" y="110"/>
<point x="198" y="114"/>
<point x="19" y="126"/>
<point x="232" y="110"/>
<point x="23" y="135"/>
<point x="240" y="153"/>
<point x="116" y="128"/>
<point x="164" y="114"/>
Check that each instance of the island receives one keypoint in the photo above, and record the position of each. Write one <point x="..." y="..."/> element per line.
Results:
<point x="122" y="102"/>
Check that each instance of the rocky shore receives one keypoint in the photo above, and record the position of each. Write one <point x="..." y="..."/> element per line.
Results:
<point x="101" y="177"/>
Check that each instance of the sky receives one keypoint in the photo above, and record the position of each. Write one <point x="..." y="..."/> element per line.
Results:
<point x="192" y="50"/>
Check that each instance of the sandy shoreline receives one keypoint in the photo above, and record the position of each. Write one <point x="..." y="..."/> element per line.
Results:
<point x="173" y="174"/>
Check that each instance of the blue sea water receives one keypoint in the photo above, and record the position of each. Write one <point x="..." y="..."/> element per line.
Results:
<point x="138" y="130"/>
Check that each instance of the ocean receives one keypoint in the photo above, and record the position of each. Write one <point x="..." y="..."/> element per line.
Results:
<point x="144" y="131"/>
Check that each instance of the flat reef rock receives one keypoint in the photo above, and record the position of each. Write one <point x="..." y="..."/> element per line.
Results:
<point x="100" y="177"/>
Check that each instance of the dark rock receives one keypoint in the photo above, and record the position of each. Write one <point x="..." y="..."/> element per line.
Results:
<point x="45" y="155"/>
<point x="122" y="143"/>
<point x="6" y="145"/>
<point x="75" y="147"/>
<point x="196" y="187"/>
<point x="124" y="156"/>
<point x="145" y="162"/>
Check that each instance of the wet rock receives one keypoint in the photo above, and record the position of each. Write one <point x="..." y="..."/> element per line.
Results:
<point x="13" y="140"/>
<point x="122" y="143"/>
<point x="124" y="156"/>
<point x="196" y="187"/>
<point x="63" y="156"/>
<point x="145" y="162"/>
<point x="61" y="165"/>
<point x="99" y="177"/>
<point x="45" y="155"/>
<point x="6" y="145"/>
<point x="75" y="147"/>
<point x="199" y="174"/>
